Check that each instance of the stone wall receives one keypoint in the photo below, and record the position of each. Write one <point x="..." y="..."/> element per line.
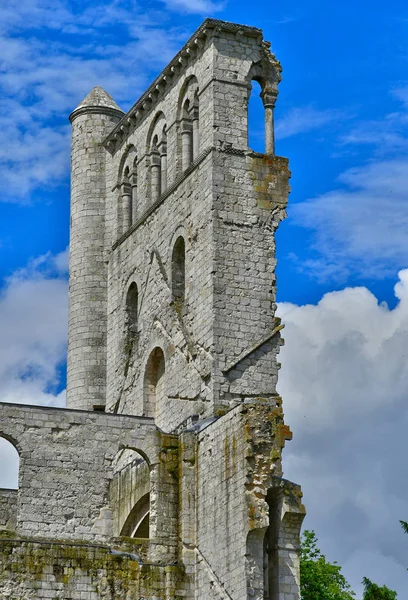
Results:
<point x="66" y="468"/>
<point x="39" y="570"/>
<point x="181" y="329"/>
<point x="8" y="508"/>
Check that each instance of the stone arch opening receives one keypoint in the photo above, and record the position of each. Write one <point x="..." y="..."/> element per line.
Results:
<point x="130" y="494"/>
<point x="155" y="169"/>
<point x="186" y="137"/>
<point x="127" y="184"/>
<point x="132" y="308"/>
<point x="157" y="153"/>
<point x="154" y="384"/>
<point x="189" y="124"/>
<point x="133" y="185"/>
<point x="178" y="269"/>
<point x="137" y="524"/>
<point x="163" y="160"/>
<point x="10" y="461"/>
<point x="256" y="118"/>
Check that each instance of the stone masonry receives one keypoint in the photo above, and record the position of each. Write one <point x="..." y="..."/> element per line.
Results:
<point x="162" y="479"/>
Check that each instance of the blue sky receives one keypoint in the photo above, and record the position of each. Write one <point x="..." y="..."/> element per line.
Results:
<point x="342" y="119"/>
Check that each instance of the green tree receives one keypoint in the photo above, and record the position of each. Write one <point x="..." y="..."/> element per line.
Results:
<point x="319" y="579"/>
<point x="372" y="591"/>
<point x="404" y="526"/>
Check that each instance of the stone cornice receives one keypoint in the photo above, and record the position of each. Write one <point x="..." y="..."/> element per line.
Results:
<point x="177" y="66"/>
<point x="104" y="110"/>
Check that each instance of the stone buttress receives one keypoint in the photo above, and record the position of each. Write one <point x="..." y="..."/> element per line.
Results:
<point x="163" y="478"/>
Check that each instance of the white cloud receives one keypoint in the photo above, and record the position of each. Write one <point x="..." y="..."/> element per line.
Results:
<point x="386" y="135"/>
<point x="50" y="57"/>
<point x="201" y="7"/>
<point x="344" y="382"/>
<point x="33" y="325"/>
<point x="402" y="94"/>
<point x="303" y="119"/>
<point x="360" y="227"/>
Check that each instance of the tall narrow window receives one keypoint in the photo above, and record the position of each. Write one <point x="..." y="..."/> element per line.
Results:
<point x="155" y="168"/>
<point x="186" y="136"/>
<point x="133" y="183"/>
<point x="129" y="494"/>
<point x="126" y="200"/>
<point x="154" y="391"/>
<point x="256" y="115"/>
<point x="8" y="485"/>
<point x="196" y="127"/>
<point x="178" y="269"/>
<point x="163" y="161"/>
<point x="9" y="465"/>
<point x="132" y="309"/>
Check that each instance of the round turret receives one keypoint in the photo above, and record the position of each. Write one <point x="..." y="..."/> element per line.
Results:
<point x="92" y="120"/>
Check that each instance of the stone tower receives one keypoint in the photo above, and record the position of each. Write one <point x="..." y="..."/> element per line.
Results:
<point x="162" y="479"/>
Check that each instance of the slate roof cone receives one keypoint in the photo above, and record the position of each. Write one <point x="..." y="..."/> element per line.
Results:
<point x="97" y="100"/>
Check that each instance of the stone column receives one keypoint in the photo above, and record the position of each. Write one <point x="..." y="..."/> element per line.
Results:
<point x="196" y="133"/>
<point x="269" y="100"/>
<point x="163" y="167"/>
<point x="186" y="143"/>
<point x="155" y="168"/>
<point x="133" y="182"/>
<point x="126" y="205"/>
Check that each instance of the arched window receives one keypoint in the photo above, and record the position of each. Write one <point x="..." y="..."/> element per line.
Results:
<point x="132" y="300"/>
<point x="154" y="390"/>
<point x="133" y="184"/>
<point x="261" y="105"/>
<point x="195" y="116"/>
<point x="178" y="269"/>
<point x="126" y="191"/>
<point x="129" y="494"/>
<point x="186" y="136"/>
<point x="189" y="125"/>
<point x="163" y="161"/>
<point x="155" y="170"/>
<point x="9" y="461"/>
<point x="156" y="143"/>
<point x="138" y="521"/>
<point x="9" y="465"/>
<point x="127" y="187"/>
<point x="256" y="125"/>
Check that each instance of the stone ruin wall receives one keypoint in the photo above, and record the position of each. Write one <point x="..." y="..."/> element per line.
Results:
<point x="223" y="523"/>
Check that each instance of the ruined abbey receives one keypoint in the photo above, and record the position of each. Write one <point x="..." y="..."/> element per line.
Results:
<point x="162" y="478"/>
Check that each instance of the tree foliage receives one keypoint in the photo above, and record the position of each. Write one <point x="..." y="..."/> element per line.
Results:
<point x="404" y="526"/>
<point x="319" y="579"/>
<point x="372" y="591"/>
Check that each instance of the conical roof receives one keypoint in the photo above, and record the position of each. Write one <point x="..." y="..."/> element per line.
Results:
<point x="97" y="97"/>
